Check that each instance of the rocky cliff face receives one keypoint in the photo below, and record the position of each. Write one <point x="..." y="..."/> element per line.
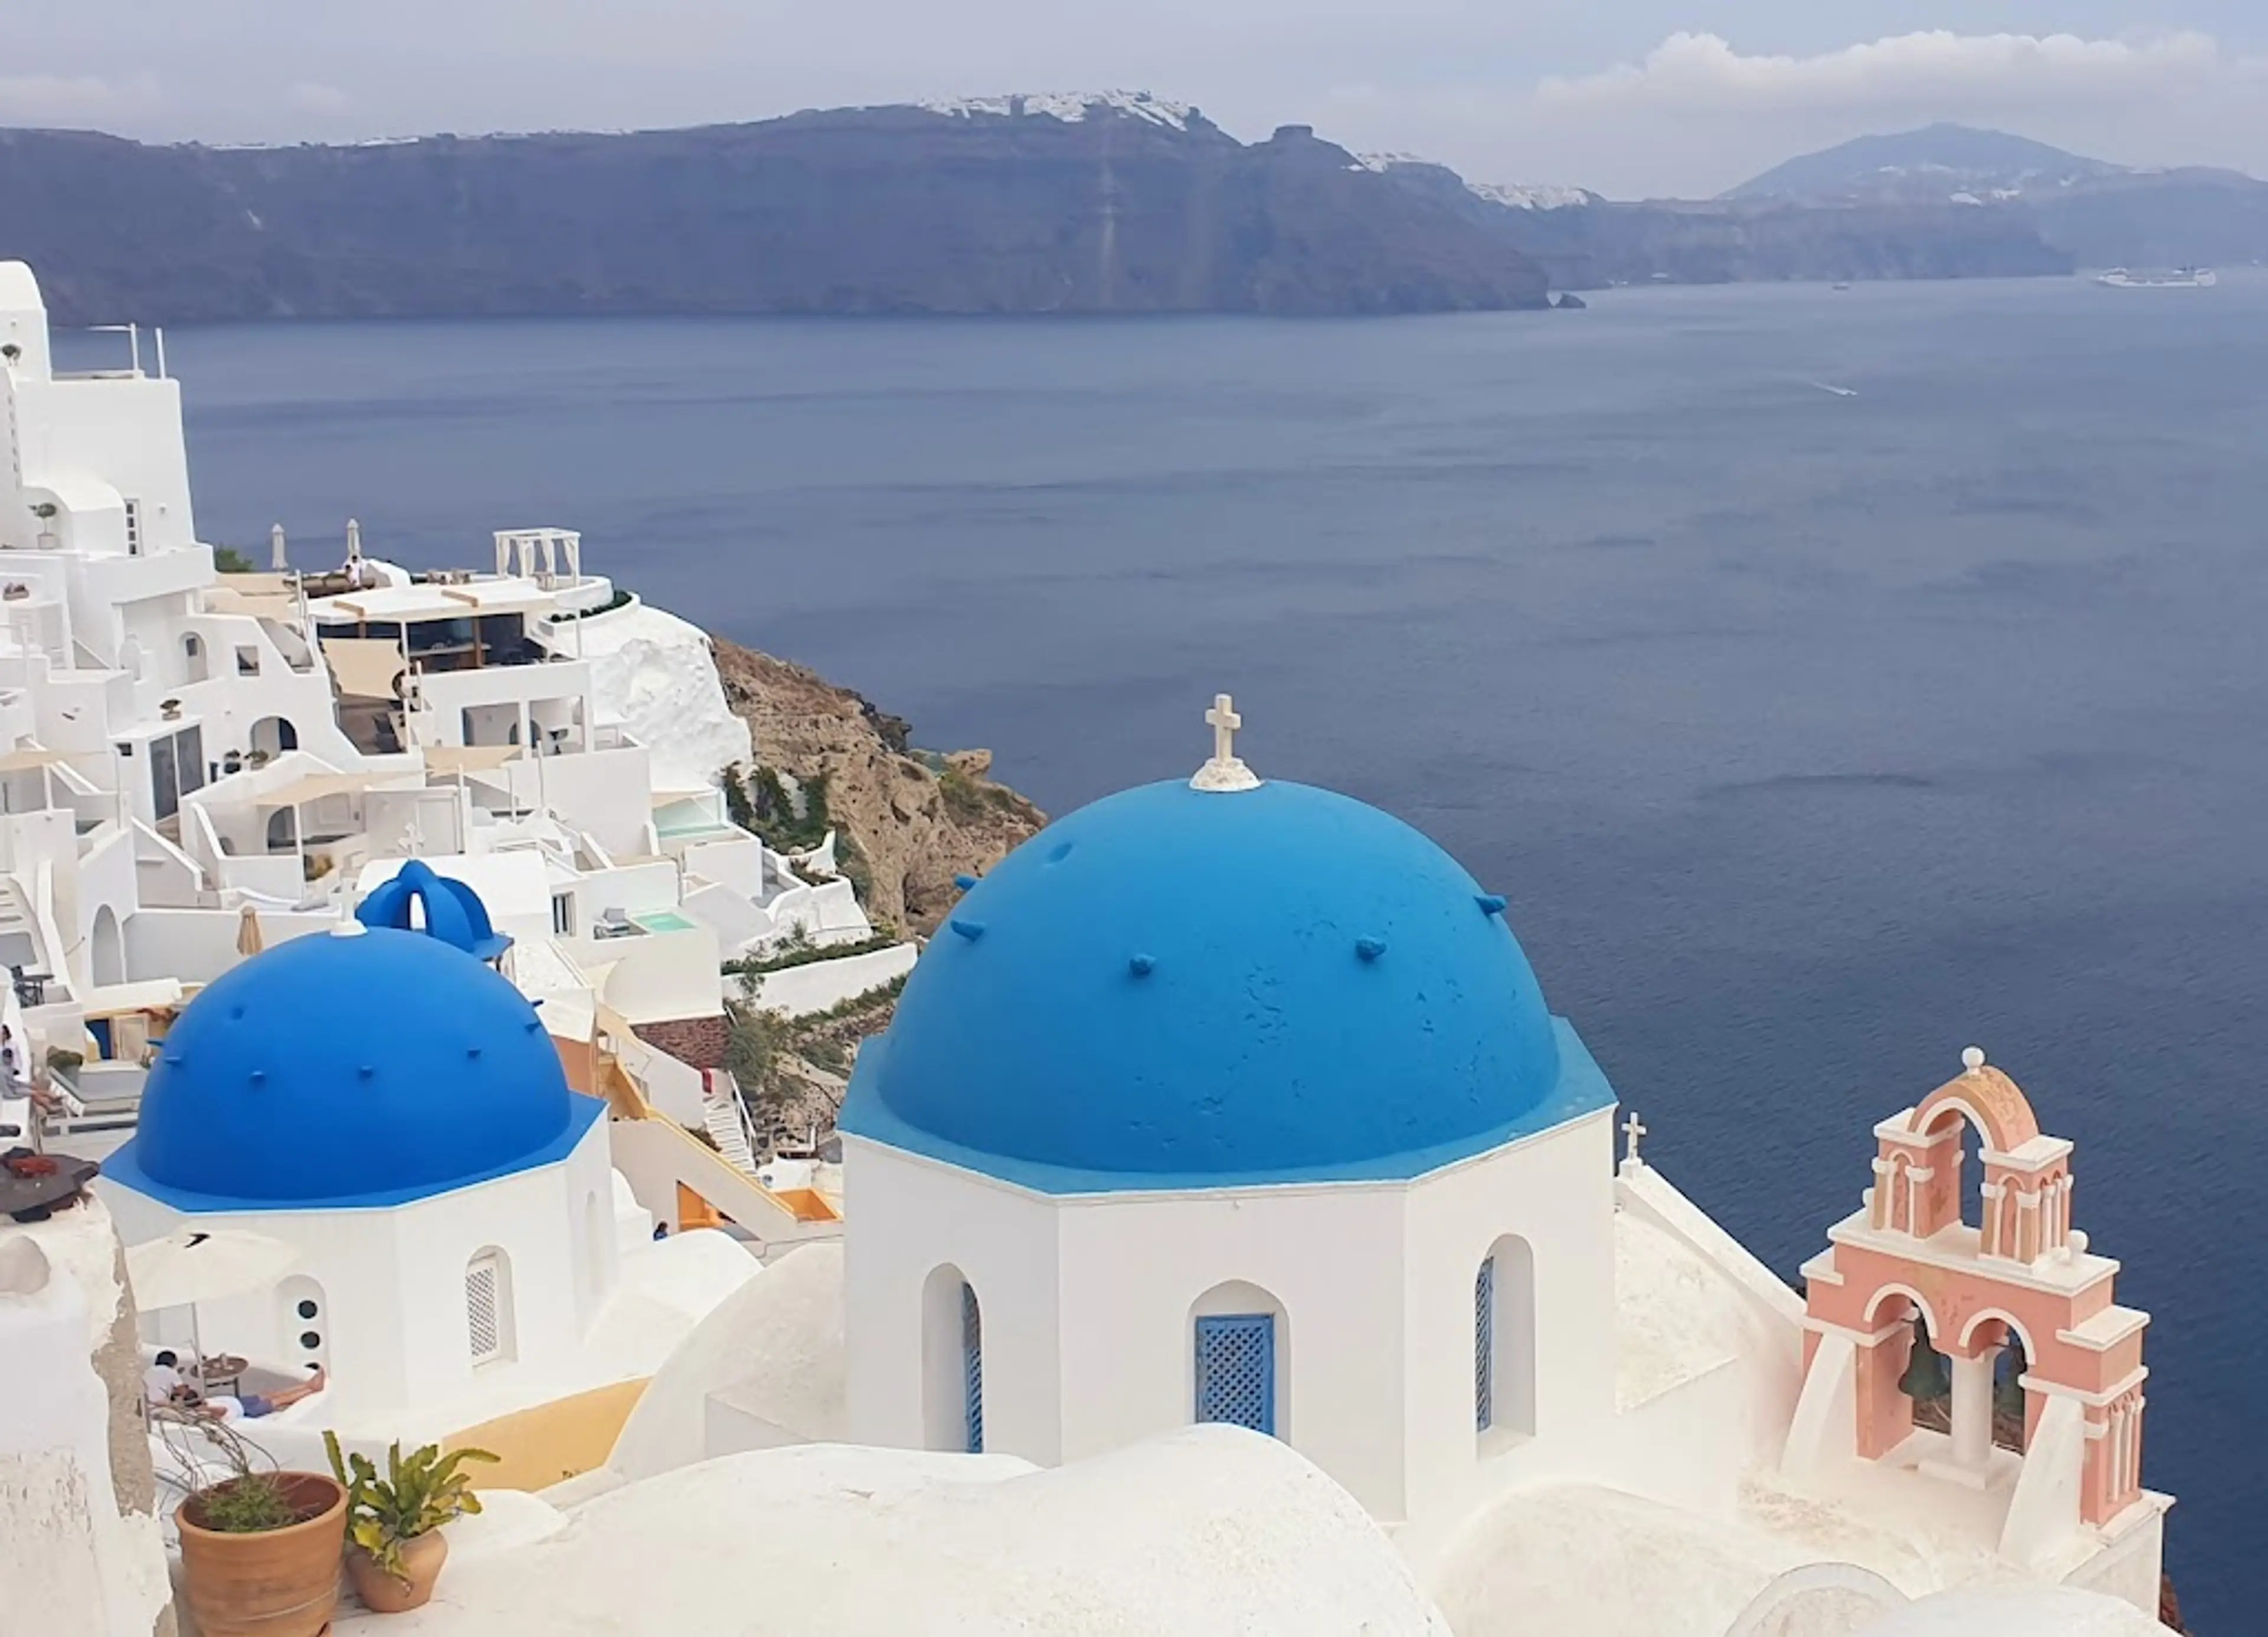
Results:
<point x="1061" y="205"/>
<point x="907" y="823"/>
<point x="1586" y="242"/>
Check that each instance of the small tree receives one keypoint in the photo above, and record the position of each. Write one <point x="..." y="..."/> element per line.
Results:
<point x="738" y="807"/>
<point x="249" y="1500"/>
<point x="229" y="560"/>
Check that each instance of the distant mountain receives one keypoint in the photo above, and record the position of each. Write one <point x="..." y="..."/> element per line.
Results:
<point x="1585" y="242"/>
<point x="2101" y="214"/>
<point x="1942" y="164"/>
<point x="1119" y="202"/>
<point x="1112" y="203"/>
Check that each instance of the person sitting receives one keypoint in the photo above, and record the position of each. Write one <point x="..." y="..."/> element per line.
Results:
<point x="221" y="1407"/>
<point x="162" y="1378"/>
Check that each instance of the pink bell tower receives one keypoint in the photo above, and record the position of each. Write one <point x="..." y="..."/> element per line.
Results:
<point x="2017" y="1272"/>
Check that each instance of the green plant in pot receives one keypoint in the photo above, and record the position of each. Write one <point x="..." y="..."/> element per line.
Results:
<point x="260" y="1548"/>
<point x="395" y="1546"/>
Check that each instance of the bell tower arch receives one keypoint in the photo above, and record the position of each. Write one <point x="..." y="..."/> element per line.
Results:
<point x="2032" y="1378"/>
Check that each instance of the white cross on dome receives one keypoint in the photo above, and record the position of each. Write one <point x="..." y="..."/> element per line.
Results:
<point x="1225" y="771"/>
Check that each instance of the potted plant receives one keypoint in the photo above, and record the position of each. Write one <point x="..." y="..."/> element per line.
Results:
<point x="395" y="1546"/>
<point x="260" y="1548"/>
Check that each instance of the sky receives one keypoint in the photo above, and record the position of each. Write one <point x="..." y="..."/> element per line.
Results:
<point x="1632" y="98"/>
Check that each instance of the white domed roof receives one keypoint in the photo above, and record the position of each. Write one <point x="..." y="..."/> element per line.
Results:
<point x="2016" y="1611"/>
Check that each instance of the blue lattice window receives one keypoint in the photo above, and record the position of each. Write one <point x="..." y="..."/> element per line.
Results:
<point x="1237" y="1370"/>
<point x="972" y="1369"/>
<point x="1484" y="1346"/>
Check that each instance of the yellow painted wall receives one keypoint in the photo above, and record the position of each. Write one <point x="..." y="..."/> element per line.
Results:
<point x="540" y="1446"/>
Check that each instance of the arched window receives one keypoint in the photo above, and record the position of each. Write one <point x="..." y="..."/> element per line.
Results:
<point x="305" y="1320"/>
<point x="1239" y="1357"/>
<point x="273" y="735"/>
<point x="1504" y="1339"/>
<point x="953" y="1363"/>
<point x="487" y="1307"/>
<point x="107" y="948"/>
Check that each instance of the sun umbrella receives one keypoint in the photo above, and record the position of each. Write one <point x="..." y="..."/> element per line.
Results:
<point x="186" y="1268"/>
<point x="248" y="941"/>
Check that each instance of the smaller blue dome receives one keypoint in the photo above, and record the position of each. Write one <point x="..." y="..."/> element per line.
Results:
<point x="362" y="1070"/>
<point x="448" y="909"/>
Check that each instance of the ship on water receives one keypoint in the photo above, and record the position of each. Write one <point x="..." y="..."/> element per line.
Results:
<point x="2178" y="278"/>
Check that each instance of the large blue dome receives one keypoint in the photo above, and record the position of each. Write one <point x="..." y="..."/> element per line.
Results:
<point x="1177" y="988"/>
<point x="350" y="1069"/>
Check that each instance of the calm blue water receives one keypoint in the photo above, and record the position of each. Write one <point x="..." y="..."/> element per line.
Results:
<point x="1813" y="737"/>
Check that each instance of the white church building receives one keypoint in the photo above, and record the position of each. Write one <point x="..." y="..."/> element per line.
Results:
<point x="467" y="1265"/>
<point x="1232" y="1102"/>
<point x="1233" y="1106"/>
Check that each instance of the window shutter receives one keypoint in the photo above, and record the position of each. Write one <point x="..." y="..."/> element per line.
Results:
<point x="972" y="1369"/>
<point x="1237" y="1370"/>
<point x="1484" y="1346"/>
<point x="483" y="1308"/>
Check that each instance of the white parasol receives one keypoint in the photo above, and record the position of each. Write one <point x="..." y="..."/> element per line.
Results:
<point x="191" y="1267"/>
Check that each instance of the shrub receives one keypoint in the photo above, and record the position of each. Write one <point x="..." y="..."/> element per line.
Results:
<point x="420" y="1492"/>
<point x="964" y="798"/>
<point x="800" y="951"/>
<point x="251" y="1505"/>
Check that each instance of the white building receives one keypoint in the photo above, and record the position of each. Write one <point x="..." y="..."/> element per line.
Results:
<point x="194" y="764"/>
<point x="388" y="1107"/>
<point x="1225" y="1100"/>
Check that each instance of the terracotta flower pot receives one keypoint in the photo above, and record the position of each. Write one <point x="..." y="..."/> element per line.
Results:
<point x="392" y="1594"/>
<point x="280" y="1582"/>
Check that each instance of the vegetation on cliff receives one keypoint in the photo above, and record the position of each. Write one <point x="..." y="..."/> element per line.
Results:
<point x="906" y="821"/>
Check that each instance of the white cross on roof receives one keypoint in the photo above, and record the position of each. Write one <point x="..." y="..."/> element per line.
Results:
<point x="1224" y="771"/>
<point x="1633" y="1128"/>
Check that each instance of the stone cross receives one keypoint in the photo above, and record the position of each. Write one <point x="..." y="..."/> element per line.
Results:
<point x="1225" y="722"/>
<point x="1224" y="771"/>
<point x="1633" y="1128"/>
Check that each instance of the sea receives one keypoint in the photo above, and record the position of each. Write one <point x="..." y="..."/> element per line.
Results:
<point x="1831" y="680"/>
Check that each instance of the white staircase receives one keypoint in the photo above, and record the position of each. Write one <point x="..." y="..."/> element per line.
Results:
<point x="721" y="1117"/>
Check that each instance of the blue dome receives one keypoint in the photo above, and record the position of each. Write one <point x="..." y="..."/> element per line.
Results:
<point x="362" y="1070"/>
<point x="1177" y="988"/>
<point x="445" y="908"/>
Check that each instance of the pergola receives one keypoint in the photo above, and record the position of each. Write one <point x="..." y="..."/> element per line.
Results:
<point x="305" y="792"/>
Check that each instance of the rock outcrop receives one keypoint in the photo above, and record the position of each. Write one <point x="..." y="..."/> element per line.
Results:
<point x="907" y="821"/>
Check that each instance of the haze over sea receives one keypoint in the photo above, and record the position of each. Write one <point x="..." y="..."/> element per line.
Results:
<point x="1813" y="736"/>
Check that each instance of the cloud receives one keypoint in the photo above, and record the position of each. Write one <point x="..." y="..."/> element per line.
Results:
<point x="310" y="97"/>
<point x="1702" y="73"/>
<point x="1698" y="114"/>
<point x="75" y="99"/>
